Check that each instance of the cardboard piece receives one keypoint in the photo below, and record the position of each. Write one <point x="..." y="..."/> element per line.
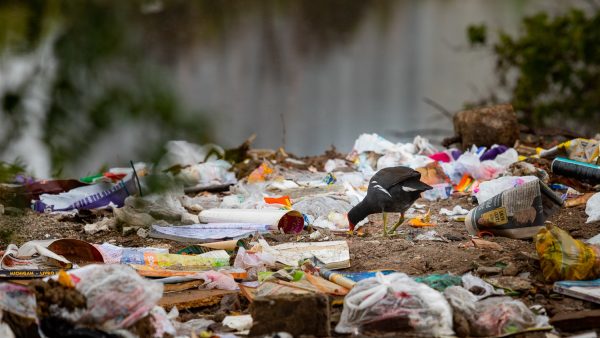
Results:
<point x="586" y="290"/>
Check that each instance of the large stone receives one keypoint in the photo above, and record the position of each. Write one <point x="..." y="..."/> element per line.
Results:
<point x="297" y="314"/>
<point x="487" y="126"/>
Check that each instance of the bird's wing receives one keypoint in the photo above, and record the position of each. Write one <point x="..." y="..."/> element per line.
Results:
<point x="385" y="179"/>
<point x="389" y="177"/>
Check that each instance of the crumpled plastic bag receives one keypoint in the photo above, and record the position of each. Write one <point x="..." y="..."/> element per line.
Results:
<point x="592" y="208"/>
<point x="578" y="149"/>
<point x="502" y="315"/>
<point x="479" y="288"/>
<point x="253" y="262"/>
<point x="215" y="172"/>
<point x="490" y="317"/>
<point x="494" y="187"/>
<point x="116" y="295"/>
<point x="184" y="153"/>
<point x="322" y="206"/>
<point x="564" y="258"/>
<point x="396" y="296"/>
<point x="217" y="280"/>
<point x="470" y="163"/>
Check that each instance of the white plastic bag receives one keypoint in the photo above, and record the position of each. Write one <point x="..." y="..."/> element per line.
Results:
<point x="184" y="153"/>
<point x="478" y="287"/>
<point x="502" y="315"/>
<point x="321" y="206"/>
<point x="217" y="280"/>
<point x="214" y="172"/>
<point x="396" y="296"/>
<point x="469" y="163"/>
<point x="253" y="262"/>
<point x="592" y="208"/>
<point x="116" y="295"/>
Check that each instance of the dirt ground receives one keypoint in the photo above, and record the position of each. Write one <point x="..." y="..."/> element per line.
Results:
<point x="371" y="251"/>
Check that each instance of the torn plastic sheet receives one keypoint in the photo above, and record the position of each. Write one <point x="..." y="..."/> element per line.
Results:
<point x="97" y="196"/>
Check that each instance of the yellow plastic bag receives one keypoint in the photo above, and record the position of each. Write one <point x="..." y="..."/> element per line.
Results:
<point x="564" y="258"/>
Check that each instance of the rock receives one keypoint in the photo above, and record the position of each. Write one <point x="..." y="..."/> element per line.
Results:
<point x="188" y="219"/>
<point x="483" y="244"/>
<point x="512" y="283"/>
<point x="296" y="314"/>
<point x="12" y="211"/>
<point x="511" y="269"/>
<point x="486" y="126"/>
<point x="127" y="216"/>
<point x="1" y="209"/>
<point x="158" y="209"/>
<point x="142" y="232"/>
<point x="488" y="270"/>
<point x="461" y="324"/>
<point x="129" y="230"/>
<point x="103" y="225"/>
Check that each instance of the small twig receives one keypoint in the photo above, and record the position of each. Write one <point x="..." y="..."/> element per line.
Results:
<point x="136" y="178"/>
<point x="283" y="129"/>
<point x="439" y="107"/>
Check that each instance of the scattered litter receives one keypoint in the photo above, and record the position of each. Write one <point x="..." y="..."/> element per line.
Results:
<point x="241" y="323"/>
<point x="489" y="189"/>
<point x="483" y="244"/>
<point x="395" y="297"/>
<point x="578" y="149"/>
<point x="592" y="208"/>
<point x="96" y="196"/>
<point x="207" y="232"/>
<point x="586" y="290"/>
<point x="288" y="221"/>
<point x="333" y="254"/>
<point x="478" y="287"/>
<point x="585" y="172"/>
<point x="103" y="225"/>
<point x="421" y="221"/>
<point x="456" y="211"/>
<point x="431" y="235"/>
<point x="564" y="258"/>
<point x="519" y="212"/>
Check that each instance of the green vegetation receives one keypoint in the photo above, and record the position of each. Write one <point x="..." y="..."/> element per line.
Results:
<point x="551" y="70"/>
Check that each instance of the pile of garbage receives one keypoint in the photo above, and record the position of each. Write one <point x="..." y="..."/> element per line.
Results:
<point x="263" y="244"/>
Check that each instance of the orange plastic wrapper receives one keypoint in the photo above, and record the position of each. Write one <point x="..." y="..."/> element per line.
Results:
<point x="283" y="200"/>
<point x="422" y="221"/>
<point x="261" y="173"/>
<point x="564" y="258"/>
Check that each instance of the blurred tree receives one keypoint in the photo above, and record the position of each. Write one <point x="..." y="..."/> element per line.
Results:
<point x="551" y="70"/>
<point x="102" y="64"/>
<point x="104" y="78"/>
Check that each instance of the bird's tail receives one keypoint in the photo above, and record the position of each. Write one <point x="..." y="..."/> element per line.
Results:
<point x="417" y="185"/>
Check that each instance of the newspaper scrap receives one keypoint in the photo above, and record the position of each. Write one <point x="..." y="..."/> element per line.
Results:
<point x="333" y="254"/>
<point x="41" y="264"/>
<point x="207" y="232"/>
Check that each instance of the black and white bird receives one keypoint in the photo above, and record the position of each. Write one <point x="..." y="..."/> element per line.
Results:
<point x="390" y="190"/>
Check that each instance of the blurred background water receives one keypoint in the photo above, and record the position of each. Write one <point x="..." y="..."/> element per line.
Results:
<point x="87" y="84"/>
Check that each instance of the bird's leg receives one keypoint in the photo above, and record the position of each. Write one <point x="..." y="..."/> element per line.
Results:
<point x="400" y="221"/>
<point x="385" y="233"/>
